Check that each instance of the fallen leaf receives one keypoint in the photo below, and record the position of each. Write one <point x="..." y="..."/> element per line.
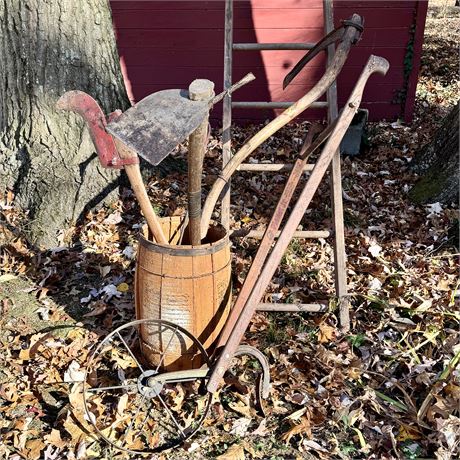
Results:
<point x="326" y="333"/>
<point x="54" y="439"/>
<point x="300" y="428"/>
<point x="234" y="452"/>
<point x="123" y="287"/>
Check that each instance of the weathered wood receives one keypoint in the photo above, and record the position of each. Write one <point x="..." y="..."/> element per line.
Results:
<point x="186" y="285"/>
<point x="293" y="307"/>
<point x="272" y="105"/>
<point x="227" y="111"/>
<point x="272" y="46"/>
<point x="270" y="167"/>
<point x="46" y="156"/>
<point x="199" y="90"/>
<point x="236" y="86"/>
<point x="340" y="269"/>
<point x="135" y="178"/>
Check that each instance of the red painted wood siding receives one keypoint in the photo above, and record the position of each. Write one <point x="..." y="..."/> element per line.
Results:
<point x="167" y="44"/>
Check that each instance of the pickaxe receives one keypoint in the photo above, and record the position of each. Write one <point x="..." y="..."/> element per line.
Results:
<point x="336" y="35"/>
<point x="112" y="153"/>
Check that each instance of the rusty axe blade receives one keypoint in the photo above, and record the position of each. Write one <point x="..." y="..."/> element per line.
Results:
<point x="158" y="123"/>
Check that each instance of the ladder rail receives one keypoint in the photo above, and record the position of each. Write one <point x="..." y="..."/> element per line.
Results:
<point x="272" y="46"/>
<point x="340" y="270"/>
<point x="273" y="105"/>
<point x="227" y="110"/>
<point x="335" y="172"/>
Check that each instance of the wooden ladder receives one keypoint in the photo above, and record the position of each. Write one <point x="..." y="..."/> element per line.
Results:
<point x="335" y="174"/>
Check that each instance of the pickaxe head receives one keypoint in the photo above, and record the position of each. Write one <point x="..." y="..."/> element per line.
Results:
<point x="83" y="104"/>
<point x="355" y="22"/>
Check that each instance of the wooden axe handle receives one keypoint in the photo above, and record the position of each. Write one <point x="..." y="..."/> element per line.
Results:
<point x="199" y="90"/>
<point x="134" y="175"/>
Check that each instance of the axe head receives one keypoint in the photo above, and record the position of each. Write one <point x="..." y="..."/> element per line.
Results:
<point x="158" y="123"/>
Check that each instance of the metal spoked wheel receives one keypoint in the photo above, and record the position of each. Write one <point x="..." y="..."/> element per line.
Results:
<point x="136" y="393"/>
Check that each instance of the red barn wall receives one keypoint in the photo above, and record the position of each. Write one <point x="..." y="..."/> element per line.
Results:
<point x="167" y="44"/>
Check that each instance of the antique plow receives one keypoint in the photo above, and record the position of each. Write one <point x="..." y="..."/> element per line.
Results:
<point x="348" y="34"/>
<point x="169" y="405"/>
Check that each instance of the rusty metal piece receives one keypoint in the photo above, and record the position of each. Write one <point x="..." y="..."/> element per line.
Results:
<point x="158" y="123"/>
<point x="83" y="104"/>
<point x="374" y="65"/>
<point x="146" y="389"/>
<point x="330" y="38"/>
<point x="242" y="350"/>
<point x="289" y="114"/>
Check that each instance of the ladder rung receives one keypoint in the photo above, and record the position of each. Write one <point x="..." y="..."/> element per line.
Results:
<point x="273" y="105"/>
<point x="271" y="167"/>
<point x="312" y="307"/>
<point x="259" y="234"/>
<point x="272" y="46"/>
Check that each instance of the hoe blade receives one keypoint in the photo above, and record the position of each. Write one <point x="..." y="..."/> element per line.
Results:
<point x="158" y="123"/>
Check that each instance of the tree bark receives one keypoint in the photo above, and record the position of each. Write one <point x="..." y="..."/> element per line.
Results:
<point x="48" y="47"/>
<point x="438" y="163"/>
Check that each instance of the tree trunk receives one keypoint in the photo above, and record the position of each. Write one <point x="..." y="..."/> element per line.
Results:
<point x="48" y="47"/>
<point x="438" y="162"/>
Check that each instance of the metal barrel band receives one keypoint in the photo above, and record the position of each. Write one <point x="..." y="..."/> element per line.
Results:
<point x="193" y="277"/>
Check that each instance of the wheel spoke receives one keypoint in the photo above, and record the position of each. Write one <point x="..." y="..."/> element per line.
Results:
<point x="165" y="350"/>
<point x="172" y="416"/>
<point x="130" y="352"/>
<point x="139" y="431"/>
<point x="125" y="434"/>
<point x="116" y="387"/>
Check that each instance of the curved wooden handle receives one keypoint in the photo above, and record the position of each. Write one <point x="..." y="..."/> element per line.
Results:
<point x="302" y="104"/>
<point x="135" y="178"/>
<point x="374" y="64"/>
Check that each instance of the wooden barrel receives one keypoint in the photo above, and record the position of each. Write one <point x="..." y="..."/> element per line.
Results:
<point x="187" y="285"/>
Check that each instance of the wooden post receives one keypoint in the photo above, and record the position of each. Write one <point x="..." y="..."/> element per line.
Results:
<point x="199" y="90"/>
<point x="227" y="109"/>
<point x="340" y="269"/>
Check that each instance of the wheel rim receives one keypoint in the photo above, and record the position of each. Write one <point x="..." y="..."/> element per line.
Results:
<point x="129" y="408"/>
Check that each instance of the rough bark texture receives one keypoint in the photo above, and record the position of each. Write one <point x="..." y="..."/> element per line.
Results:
<point x="48" y="47"/>
<point x="438" y="162"/>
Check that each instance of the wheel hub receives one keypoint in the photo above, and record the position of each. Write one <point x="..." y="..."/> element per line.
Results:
<point x="149" y="386"/>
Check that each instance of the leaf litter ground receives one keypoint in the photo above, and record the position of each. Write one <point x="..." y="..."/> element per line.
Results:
<point x="389" y="389"/>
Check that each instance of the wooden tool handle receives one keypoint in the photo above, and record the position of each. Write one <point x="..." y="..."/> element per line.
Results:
<point x="199" y="90"/>
<point x="244" y="81"/>
<point x="134" y="175"/>
<point x="302" y="104"/>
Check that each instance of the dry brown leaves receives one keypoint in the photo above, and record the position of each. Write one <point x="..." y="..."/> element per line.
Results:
<point x="390" y="389"/>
